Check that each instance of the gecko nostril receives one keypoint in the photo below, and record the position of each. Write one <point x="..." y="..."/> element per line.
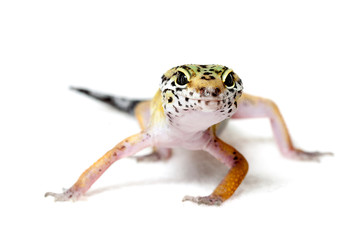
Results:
<point x="204" y="92"/>
<point x="216" y="92"/>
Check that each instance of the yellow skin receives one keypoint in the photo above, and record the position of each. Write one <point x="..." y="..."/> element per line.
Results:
<point x="185" y="112"/>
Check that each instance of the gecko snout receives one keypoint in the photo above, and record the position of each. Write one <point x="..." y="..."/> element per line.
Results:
<point x="207" y="92"/>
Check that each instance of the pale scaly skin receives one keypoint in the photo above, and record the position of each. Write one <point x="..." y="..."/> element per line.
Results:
<point x="185" y="111"/>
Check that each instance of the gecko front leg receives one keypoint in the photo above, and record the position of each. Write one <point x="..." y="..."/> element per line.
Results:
<point x="127" y="147"/>
<point x="252" y="107"/>
<point x="238" y="169"/>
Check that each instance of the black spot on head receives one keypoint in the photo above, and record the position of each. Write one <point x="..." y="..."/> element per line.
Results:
<point x="191" y="93"/>
<point x="164" y="78"/>
<point x="185" y="67"/>
<point x="212" y="77"/>
<point x="203" y="66"/>
<point x="207" y="73"/>
<point x="173" y="84"/>
<point x="187" y="99"/>
<point x="211" y="70"/>
<point x="171" y="91"/>
<point x="203" y="77"/>
<point x="230" y="110"/>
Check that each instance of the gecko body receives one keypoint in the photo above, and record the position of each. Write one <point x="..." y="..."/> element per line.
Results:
<point x="185" y="112"/>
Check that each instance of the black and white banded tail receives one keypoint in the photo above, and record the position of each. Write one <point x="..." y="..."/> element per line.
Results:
<point x="123" y="104"/>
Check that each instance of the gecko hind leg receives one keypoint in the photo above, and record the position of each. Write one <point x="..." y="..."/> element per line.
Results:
<point x="253" y="107"/>
<point x="142" y="114"/>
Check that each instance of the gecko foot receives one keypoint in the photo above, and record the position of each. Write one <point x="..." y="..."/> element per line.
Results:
<point x="151" y="157"/>
<point x="65" y="196"/>
<point x="308" y="156"/>
<point x="207" y="200"/>
<point x="157" y="155"/>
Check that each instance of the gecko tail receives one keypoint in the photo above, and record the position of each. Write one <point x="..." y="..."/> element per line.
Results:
<point x="123" y="104"/>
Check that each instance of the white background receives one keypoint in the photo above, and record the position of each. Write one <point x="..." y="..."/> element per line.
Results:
<point x="302" y="54"/>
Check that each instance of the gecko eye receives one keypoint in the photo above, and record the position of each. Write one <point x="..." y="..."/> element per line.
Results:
<point x="181" y="79"/>
<point x="229" y="80"/>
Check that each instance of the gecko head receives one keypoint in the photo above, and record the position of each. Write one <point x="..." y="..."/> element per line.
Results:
<point x="201" y="90"/>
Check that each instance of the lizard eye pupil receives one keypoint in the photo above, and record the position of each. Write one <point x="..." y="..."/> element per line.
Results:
<point x="229" y="80"/>
<point x="181" y="79"/>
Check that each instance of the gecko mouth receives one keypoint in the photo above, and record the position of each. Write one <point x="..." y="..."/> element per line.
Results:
<point x="207" y="100"/>
<point x="204" y="104"/>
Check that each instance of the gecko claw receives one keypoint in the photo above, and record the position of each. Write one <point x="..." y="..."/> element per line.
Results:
<point x="207" y="200"/>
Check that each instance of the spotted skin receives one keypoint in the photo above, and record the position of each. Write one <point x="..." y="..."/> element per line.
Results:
<point x="205" y="93"/>
<point x="186" y="111"/>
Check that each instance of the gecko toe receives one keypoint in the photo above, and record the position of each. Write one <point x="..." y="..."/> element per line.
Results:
<point x="65" y="196"/>
<point x="207" y="200"/>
